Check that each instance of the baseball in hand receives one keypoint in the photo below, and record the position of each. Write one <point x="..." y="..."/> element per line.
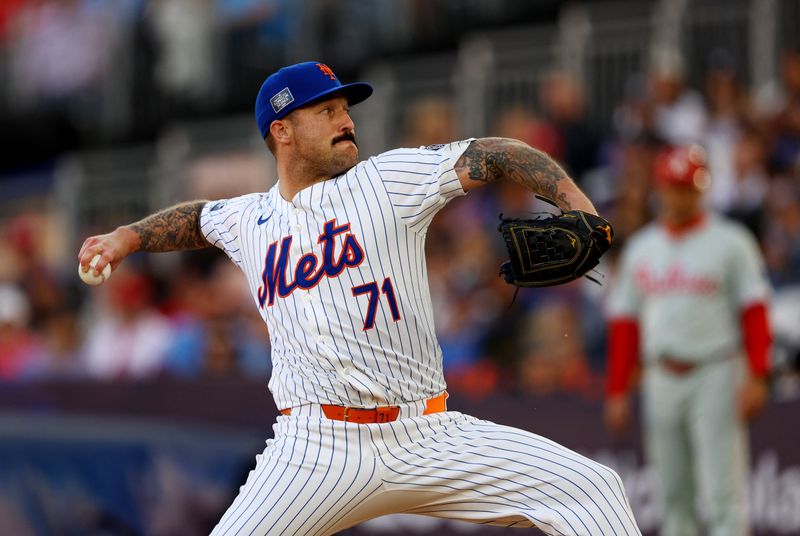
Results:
<point x="88" y="276"/>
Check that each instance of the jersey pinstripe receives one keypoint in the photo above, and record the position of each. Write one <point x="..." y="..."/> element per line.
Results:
<point x="359" y="335"/>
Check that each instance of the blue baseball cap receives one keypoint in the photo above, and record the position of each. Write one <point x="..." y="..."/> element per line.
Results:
<point x="297" y="85"/>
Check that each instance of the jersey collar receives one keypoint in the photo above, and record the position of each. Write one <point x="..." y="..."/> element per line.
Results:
<point x="306" y="200"/>
<point x="679" y="231"/>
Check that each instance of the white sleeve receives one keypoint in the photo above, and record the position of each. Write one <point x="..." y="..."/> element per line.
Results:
<point x="748" y="279"/>
<point x="220" y="223"/>
<point x="421" y="181"/>
<point x="624" y="299"/>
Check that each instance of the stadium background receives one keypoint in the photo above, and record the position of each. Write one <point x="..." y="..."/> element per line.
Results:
<point x="138" y="407"/>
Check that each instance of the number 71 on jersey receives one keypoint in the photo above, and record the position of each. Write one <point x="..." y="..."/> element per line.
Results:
<point x="374" y="295"/>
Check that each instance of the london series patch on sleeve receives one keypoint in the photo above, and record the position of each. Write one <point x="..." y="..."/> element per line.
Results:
<point x="281" y="100"/>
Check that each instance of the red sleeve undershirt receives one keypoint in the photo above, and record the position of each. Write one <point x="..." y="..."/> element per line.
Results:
<point x="757" y="338"/>
<point x="623" y="354"/>
<point x="623" y="347"/>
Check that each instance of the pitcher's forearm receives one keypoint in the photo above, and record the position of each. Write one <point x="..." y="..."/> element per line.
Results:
<point x="172" y="229"/>
<point x="490" y="159"/>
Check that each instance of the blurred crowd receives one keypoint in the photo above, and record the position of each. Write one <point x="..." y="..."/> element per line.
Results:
<point x="195" y="317"/>
<point x="100" y="71"/>
<point x="199" y="321"/>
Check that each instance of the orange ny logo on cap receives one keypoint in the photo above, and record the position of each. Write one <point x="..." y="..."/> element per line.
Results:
<point x="326" y="70"/>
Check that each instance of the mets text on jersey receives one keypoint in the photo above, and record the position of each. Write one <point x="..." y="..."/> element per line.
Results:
<point x="308" y="272"/>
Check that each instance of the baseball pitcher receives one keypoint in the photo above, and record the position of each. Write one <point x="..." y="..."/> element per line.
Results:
<point x="334" y="255"/>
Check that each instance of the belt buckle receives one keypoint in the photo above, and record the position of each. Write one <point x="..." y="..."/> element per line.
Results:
<point x="344" y="415"/>
<point x="677" y="366"/>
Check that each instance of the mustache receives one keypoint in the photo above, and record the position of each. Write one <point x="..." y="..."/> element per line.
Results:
<point x="346" y="136"/>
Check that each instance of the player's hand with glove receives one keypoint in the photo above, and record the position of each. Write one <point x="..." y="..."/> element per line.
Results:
<point x="555" y="249"/>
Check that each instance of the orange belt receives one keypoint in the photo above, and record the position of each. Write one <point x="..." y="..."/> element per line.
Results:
<point x="380" y="414"/>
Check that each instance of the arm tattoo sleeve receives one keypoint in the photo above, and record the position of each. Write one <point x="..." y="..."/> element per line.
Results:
<point x="173" y="229"/>
<point x="489" y="159"/>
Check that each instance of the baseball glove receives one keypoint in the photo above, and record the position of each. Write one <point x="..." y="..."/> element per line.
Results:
<point x="553" y="250"/>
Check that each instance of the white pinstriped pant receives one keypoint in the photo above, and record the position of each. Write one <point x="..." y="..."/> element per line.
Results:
<point x="321" y="476"/>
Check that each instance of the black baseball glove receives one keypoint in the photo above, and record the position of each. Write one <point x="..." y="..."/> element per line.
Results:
<point x="553" y="250"/>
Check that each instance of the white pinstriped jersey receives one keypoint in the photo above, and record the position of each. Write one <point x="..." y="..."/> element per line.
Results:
<point x="339" y="276"/>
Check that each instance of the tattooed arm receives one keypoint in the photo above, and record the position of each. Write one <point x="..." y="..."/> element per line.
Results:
<point x="491" y="159"/>
<point x="174" y="229"/>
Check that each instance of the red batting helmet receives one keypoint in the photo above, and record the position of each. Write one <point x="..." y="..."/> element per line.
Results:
<point x="683" y="166"/>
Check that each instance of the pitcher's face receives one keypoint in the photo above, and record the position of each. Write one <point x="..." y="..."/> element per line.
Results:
<point x="324" y="135"/>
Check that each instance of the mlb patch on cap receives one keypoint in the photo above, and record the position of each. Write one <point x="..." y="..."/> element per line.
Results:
<point x="281" y="100"/>
<point x="297" y="85"/>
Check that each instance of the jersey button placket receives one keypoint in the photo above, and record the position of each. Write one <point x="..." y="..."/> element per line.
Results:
<point x="308" y="309"/>
<point x="296" y="220"/>
<point x="295" y="229"/>
<point x="302" y="245"/>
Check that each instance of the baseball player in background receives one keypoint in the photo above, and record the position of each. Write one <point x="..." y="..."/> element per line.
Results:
<point x="690" y="297"/>
<point x="334" y="256"/>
